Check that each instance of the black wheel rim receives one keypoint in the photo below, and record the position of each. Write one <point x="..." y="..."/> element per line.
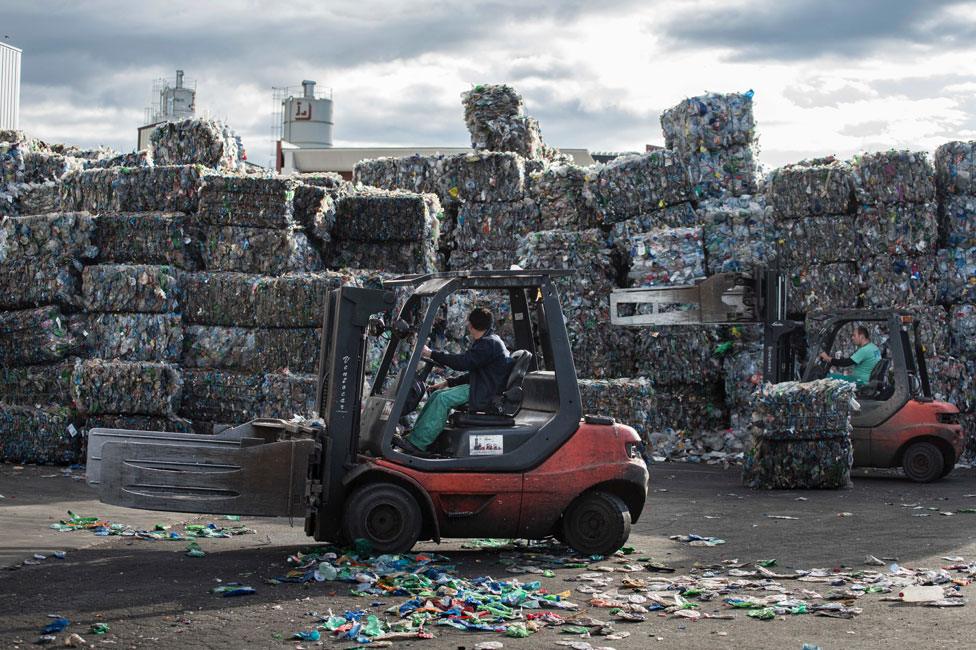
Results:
<point x="384" y="523"/>
<point x="920" y="465"/>
<point x="591" y="525"/>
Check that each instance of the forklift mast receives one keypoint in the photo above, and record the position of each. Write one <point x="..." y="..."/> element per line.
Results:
<point x="760" y="297"/>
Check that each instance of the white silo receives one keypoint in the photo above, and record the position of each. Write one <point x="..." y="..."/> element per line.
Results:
<point x="9" y="86"/>
<point x="307" y="119"/>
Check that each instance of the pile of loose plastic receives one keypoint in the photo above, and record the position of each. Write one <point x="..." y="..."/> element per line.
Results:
<point x="105" y="528"/>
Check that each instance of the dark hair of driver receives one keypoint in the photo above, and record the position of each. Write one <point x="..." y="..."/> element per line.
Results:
<point x="863" y="331"/>
<point x="480" y="319"/>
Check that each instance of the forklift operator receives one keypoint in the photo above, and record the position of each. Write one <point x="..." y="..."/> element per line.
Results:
<point x="864" y="359"/>
<point x="487" y="365"/>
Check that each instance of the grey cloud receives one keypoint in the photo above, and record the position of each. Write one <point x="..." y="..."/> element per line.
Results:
<point x="814" y="95"/>
<point x="803" y="29"/>
<point x="865" y="129"/>
<point x="920" y="87"/>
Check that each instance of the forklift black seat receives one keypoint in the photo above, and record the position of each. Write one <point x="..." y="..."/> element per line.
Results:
<point x="506" y="406"/>
<point x="878" y="386"/>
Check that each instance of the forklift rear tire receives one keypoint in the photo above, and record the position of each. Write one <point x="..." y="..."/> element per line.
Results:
<point x="597" y="523"/>
<point x="385" y="515"/>
<point x="923" y="462"/>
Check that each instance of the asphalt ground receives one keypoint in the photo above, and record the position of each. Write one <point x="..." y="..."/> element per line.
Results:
<point x="153" y="596"/>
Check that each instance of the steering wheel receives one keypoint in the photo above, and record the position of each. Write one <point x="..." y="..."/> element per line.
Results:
<point x="822" y="368"/>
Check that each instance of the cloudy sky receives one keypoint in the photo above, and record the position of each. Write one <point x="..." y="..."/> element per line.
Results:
<point x="830" y="76"/>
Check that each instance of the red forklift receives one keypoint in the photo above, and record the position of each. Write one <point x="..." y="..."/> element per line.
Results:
<point x="531" y="467"/>
<point x="900" y="424"/>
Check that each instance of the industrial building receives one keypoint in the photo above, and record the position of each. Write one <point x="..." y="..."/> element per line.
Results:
<point x="172" y="100"/>
<point x="9" y="86"/>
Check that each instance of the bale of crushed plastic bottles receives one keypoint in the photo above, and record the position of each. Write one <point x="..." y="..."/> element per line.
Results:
<point x="801" y="435"/>
<point x="247" y="200"/>
<point x="129" y="337"/>
<point x="955" y="272"/>
<point x="32" y="284"/>
<point x="495" y="120"/>
<point x="959" y="215"/>
<point x="712" y="121"/>
<point x="955" y="168"/>
<point x="29" y="336"/>
<point x="558" y="191"/>
<point x="268" y="251"/>
<point x="387" y="216"/>
<point x="100" y="387"/>
<point x="815" y="239"/>
<point x="171" y="188"/>
<point x="678" y="354"/>
<point x="38" y="435"/>
<point x="629" y="186"/>
<point x="249" y="300"/>
<point x="486" y="176"/>
<point x="663" y="256"/>
<point x="47" y="237"/>
<point x="38" y="198"/>
<point x="631" y="401"/>
<point x="495" y="226"/>
<point x="140" y="288"/>
<point x="898" y="281"/>
<point x="722" y="173"/>
<point x="821" y="287"/>
<point x="252" y="349"/>
<point x="897" y="228"/>
<point x="197" y="141"/>
<point x="35" y="385"/>
<point x="315" y="211"/>
<point x="736" y="234"/>
<point x="890" y="177"/>
<point x="822" y="186"/>
<point x="161" y="238"/>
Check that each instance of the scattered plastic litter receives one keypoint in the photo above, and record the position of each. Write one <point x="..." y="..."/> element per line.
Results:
<point x="233" y="589"/>
<point x="698" y="540"/>
<point x="104" y="528"/>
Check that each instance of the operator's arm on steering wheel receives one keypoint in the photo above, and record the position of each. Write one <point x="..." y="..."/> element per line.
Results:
<point x="840" y="362"/>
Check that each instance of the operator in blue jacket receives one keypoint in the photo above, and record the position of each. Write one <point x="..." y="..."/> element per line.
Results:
<point x="485" y="364"/>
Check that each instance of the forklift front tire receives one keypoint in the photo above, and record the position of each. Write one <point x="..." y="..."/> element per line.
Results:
<point x="597" y="523"/>
<point x="385" y="515"/>
<point x="923" y="462"/>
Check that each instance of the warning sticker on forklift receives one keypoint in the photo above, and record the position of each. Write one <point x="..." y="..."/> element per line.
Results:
<point x="486" y="445"/>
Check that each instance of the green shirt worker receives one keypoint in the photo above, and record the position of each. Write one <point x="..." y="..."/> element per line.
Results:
<point x="864" y="359"/>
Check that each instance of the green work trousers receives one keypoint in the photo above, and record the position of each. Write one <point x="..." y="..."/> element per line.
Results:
<point x="433" y="417"/>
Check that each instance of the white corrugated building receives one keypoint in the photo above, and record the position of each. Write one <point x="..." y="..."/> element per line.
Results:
<point x="9" y="86"/>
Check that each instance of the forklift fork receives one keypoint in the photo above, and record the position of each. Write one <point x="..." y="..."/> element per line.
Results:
<point x="259" y="468"/>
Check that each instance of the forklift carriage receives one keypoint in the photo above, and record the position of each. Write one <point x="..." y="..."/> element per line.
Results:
<point x="533" y="467"/>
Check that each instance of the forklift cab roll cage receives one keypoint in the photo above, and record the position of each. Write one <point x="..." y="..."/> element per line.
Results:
<point x="538" y="327"/>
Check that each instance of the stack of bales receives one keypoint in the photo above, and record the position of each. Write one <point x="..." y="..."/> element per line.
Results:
<point x="897" y="228"/>
<point x="813" y="238"/>
<point x="393" y="231"/>
<point x="40" y="258"/>
<point x="251" y="316"/>
<point x="496" y="120"/>
<point x="713" y="135"/>
<point x="955" y="375"/>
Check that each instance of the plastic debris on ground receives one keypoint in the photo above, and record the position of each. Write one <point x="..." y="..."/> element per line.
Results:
<point x="712" y="121"/>
<point x="736" y="234"/>
<point x="258" y="250"/>
<point x="823" y="186"/>
<point x="129" y="337"/>
<point x="247" y="200"/>
<point x="197" y="141"/>
<point x="139" y="288"/>
<point x="254" y="349"/>
<point x="38" y="435"/>
<point x="802" y="435"/>
<point x="105" y="528"/>
<point x="125" y="388"/>
<point x="31" y="336"/>
<point x="630" y="186"/>
<point x="164" y="238"/>
<point x="664" y="256"/>
<point x="891" y="177"/>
